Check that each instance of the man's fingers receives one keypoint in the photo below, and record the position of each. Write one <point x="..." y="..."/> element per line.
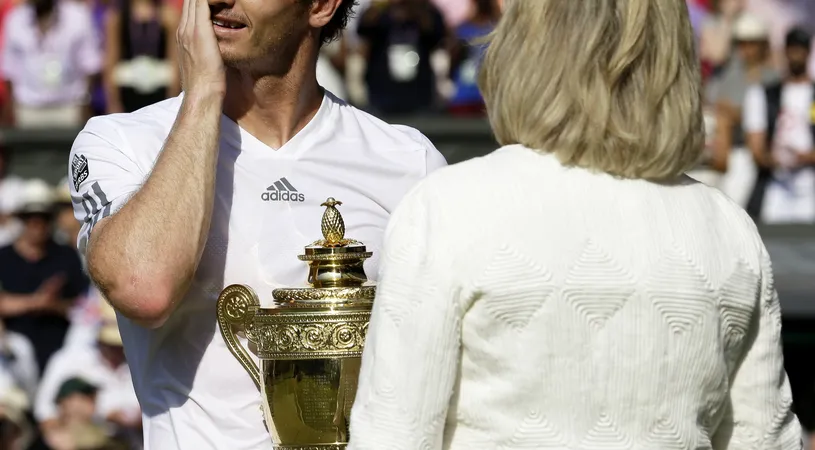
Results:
<point x="202" y="15"/>
<point x="198" y="48"/>
<point x="185" y="18"/>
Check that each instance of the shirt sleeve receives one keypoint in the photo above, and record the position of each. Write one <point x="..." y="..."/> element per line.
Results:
<point x="103" y="175"/>
<point x="410" y="362"/>
<point x="755" y="110"/>
<point x="434" y="160"/>
<point x="760" y="396"/>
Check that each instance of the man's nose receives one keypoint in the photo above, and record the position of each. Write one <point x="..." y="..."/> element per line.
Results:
<point x="221" y="4"/>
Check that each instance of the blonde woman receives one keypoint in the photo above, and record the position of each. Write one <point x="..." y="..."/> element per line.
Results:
<point x="573" y="289"/>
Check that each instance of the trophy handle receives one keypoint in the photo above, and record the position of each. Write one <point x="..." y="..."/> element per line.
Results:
<point x="237" y="306"/>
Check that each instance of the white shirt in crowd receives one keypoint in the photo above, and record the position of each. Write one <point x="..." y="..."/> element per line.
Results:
<point x="18" y="361"/>
<point x="115" y="386"/>
<point x="526" y="305"/>
<point x="50" y="70"/>
<point x="790" y="196"/>
<point x="86" y="318"/>
<point x="194" y="394"/>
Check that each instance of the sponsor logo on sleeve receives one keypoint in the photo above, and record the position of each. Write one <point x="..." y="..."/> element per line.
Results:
<point x="79" y="170"/>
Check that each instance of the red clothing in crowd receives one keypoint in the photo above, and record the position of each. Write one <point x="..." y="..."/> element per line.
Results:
<point x="707" y="4"/>
<point x="5" y="7"/>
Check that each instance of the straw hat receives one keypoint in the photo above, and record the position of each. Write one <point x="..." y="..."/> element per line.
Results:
<point x="62" y="193"/>
<point x="14" y="403"/>
<point x="749" y="27"/>
<point x="109" y="330"/>
<point x="109" y="335"/>
<point x="106" y="311"/>
<point x="36" y="197"/>
<point x="11" y="189"/>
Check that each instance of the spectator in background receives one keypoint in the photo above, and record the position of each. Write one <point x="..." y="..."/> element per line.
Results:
<point x="717" y="33"/>
<point x="50" y="54"/>
<point x="75" y="427"/>
<point x="399" y="37"/>
<point x="782" y="16"/>
<point x="141" y="64"/>
<point x="778" y="119"/>
<point x="18" y="361"/>
<point x="39" y="279"/>
<point x="466" y="53"/>
<point x="102" y="365"/>
<point x="99" y="10"/>
<point x="16" y="432"/>
<point x="455" y="12"/>
<point x="749" y="66"/>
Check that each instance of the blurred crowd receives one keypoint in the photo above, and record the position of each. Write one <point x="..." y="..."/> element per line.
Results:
<point x="760" y="108"/>
<point x="64" y="381"/>
<point x="66" y="60"/>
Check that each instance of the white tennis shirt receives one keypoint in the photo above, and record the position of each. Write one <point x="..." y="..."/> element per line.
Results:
<point x="194" y="394"/>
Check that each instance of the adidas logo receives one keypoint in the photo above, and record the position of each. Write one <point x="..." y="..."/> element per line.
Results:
<point x="282" y="191"/>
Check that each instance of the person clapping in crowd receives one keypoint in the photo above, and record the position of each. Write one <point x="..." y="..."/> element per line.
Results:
<point x="39" y="279"/>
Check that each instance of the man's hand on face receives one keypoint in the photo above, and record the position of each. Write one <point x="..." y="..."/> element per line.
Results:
<point x="202" y="67"/>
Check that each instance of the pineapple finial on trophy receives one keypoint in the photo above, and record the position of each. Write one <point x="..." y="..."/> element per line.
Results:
<point x="333" y="226"/>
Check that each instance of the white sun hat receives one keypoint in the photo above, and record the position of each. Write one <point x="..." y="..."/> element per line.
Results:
<point x="36" y="197"/>
<point x="749" y="27"/>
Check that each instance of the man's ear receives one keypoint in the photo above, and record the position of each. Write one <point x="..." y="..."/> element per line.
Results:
<point x="322" y="11"/>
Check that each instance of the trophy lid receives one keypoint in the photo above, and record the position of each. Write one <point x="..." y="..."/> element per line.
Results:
<point x="336" y="273"/>
<point x="334" y="246"/>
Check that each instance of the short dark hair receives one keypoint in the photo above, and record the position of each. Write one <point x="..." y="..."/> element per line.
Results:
<point x="333" y="29"/>
<point x="798" y="37"/>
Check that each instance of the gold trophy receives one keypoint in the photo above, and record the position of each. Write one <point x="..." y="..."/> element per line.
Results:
<point x="310" y="343"/>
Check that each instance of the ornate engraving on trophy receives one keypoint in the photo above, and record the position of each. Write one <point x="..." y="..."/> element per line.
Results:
<point x="316" y="394"/>
<point x="308" y="336"/>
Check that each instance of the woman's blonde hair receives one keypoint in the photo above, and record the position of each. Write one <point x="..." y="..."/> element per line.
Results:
<point x="608" y="85"/>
